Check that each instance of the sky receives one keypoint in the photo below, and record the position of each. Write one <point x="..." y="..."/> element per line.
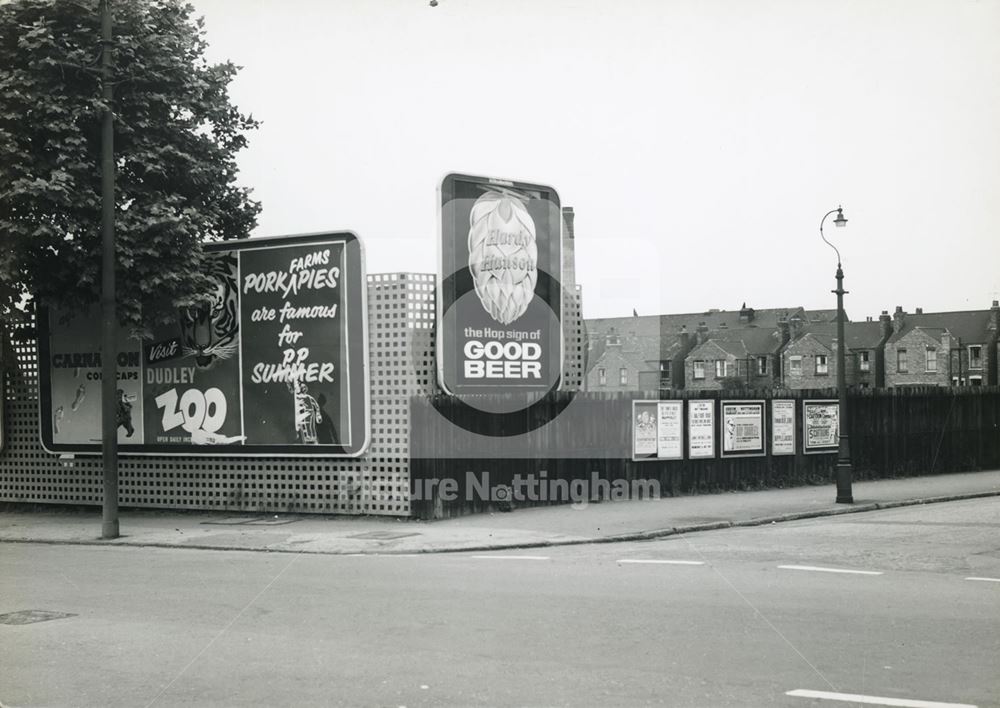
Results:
<point x="700" y="142"/>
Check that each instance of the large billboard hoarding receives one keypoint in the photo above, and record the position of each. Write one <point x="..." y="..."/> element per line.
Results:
<point x="274" y="362"/>
<point x="499" y="297"/>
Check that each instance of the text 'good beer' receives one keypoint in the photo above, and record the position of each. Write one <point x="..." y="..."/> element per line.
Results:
<point x="500" y="360"/>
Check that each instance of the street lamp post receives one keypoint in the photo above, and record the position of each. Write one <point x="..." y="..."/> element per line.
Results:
<point x="845" y="471"/>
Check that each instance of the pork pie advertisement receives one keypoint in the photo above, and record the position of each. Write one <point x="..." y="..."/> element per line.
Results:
<point x="272" y="361"/>
<point x="500" y="304"/>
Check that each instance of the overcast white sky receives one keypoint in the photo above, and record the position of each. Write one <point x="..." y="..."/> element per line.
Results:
<point x="699" y="141"/>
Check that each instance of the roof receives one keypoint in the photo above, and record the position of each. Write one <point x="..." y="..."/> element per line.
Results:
<point x="655" y="325"/>
<point x="648" y="347"/>
<point x="969" y="326"/>
<point x="859" y="335"/>
<point x="862" y="335"/>
<point x="821" y="315"/>
<point x="742" y="343"/>
<point x="634" y="358"/>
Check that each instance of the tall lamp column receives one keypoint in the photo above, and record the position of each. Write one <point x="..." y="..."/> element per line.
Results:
<point x="845" y="470"/>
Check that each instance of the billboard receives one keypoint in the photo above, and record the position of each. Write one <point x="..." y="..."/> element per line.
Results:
<point x="499" y="295"/>
<point x="273" y="362"/>
<point x="820" y="426"/>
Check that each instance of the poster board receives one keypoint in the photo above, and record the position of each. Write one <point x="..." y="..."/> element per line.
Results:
<point x="657" y="430"/>
<point x="274" y="361"/>
<point x="820" y="426"/>
<point x="782" y="427"/>
<point x="701" y="429"/>
<point x="742" y="428"/>
<point x="500" y="287"/>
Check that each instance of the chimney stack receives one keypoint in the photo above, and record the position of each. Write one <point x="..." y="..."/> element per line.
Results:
<point x="995" y="316"/>
<point x="702" y="333"/>
<point x="796" y="323"/>
<point x="784" y="331"/>
<point x="920" y="311"/>
<point x="746" y="314"/>
<point x="885" y="324"/>
<point x="898" y="319"/>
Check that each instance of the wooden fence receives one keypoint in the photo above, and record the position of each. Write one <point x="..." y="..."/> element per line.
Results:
<point x="588" y="436"/>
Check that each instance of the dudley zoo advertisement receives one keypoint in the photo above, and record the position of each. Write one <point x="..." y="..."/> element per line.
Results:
<point x="273" y="361"/>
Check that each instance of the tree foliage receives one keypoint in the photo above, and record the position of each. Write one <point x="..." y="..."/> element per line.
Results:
<point x="176" y="139"/>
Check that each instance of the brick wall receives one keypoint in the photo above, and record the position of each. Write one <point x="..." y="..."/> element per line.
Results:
<point x="808" y="349"/>
<point x="915" y="343"/>
<point x="612" y="362"/>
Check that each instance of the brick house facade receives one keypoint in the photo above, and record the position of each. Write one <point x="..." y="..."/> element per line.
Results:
<point x="747" y="358"/>
<point x="969" y="357"/>
<point x="809" y="361"/>
<point x="920" y="356"/>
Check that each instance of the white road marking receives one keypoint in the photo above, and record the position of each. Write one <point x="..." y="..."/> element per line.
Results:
<point x="986" y="580"/>
<point x="817" y="569"/>
<point x="875" y="700"/>
<point x="660" y="562"/>
<point x="514" y="558"/>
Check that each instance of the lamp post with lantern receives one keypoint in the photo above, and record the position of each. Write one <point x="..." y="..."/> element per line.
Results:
<point x="845" y="470"/>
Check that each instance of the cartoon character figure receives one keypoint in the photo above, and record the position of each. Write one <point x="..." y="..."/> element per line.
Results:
<point x="123" y="413"/>
<point x="307" y="413"/>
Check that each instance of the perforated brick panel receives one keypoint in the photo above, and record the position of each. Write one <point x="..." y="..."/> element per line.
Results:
<point x="401" y="359"/>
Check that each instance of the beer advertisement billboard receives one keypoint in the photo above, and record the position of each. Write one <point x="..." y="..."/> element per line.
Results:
<point x="273" y="361"/>
<point x="499" y="296"/>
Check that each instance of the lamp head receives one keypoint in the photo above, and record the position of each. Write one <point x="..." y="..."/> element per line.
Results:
<point x="840" y="220"/>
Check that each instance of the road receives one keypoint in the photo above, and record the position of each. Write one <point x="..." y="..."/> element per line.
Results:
<point x="736" y="617"/>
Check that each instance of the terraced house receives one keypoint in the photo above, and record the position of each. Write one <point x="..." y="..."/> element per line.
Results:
<point x="943" y="348"/>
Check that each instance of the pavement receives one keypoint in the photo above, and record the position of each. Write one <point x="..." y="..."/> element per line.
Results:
<point x="538" y="527"/>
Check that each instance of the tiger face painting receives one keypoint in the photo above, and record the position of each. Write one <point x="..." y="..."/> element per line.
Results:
<point x="210" y="331"/>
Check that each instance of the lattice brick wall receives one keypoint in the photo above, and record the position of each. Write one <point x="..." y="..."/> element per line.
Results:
<point x="401" y="359"/>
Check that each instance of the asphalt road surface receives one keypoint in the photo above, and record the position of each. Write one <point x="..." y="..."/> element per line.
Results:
<point x="737" y="617"/>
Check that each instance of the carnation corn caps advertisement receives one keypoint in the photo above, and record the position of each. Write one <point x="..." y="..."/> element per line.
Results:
<point x="500" y="300"/>
<point x="273" y="359"/>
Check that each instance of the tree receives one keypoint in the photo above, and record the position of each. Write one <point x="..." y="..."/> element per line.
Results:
<point x="176" y="139"/>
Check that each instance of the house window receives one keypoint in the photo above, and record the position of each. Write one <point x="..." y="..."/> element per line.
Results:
<point x="761" y="365"/>
<point x="931" y="360"/>
<point x="822" y="365"/>
<point x="623" y="377"/>
<point x="865" y="361"/>
<point x="975" y="380"/>
<point x="723" y="368"/>
<point x="976" y="357"/>
<point x="699" y="369"/>
<point x="602" y="377"/>
<point x="795" y="365"/>
<point x="901" y="363"/>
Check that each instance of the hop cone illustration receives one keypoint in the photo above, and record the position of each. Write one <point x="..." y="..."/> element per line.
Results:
<point x="503" y="256"/>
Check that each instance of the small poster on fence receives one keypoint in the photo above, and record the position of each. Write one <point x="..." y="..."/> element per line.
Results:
<point x="657" y="430"/>
<point x="821" y="426"/>
<point x="742" y="428"/>
<point x="782" y="427"/>
<point x="643" y="430"/>
<point x="701" y="429"/>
